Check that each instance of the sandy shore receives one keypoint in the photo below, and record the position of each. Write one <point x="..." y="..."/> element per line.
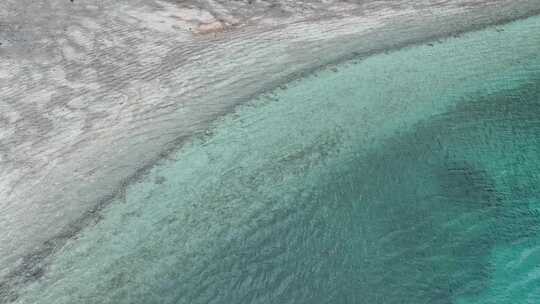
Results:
<point x="93" y="94"/>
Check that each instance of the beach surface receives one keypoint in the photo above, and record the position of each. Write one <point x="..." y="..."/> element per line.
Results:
<point x="93" y="94"/>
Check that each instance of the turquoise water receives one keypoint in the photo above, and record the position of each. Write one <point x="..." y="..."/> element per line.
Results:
<point x="407" y="177"/>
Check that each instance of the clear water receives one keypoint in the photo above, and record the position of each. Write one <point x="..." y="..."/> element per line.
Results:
<point x="408" y="177"/>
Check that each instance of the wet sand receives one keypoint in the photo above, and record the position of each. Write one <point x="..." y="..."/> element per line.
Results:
<point x="93" y="95"/>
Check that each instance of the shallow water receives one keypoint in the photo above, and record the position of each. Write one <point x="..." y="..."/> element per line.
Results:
<point x="408" y="177"/>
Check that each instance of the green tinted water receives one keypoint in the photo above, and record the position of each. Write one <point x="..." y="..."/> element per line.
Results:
<point x="408" y="177"/>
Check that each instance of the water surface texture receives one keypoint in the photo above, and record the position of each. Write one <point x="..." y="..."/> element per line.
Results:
<point x="406" y="177"/>
<point x="92" y="93"/>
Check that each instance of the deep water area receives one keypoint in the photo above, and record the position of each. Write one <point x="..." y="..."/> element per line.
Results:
<point x="411" y="176"/>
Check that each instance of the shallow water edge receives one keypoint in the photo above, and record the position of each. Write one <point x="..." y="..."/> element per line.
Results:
<point x="502" y="63"/>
